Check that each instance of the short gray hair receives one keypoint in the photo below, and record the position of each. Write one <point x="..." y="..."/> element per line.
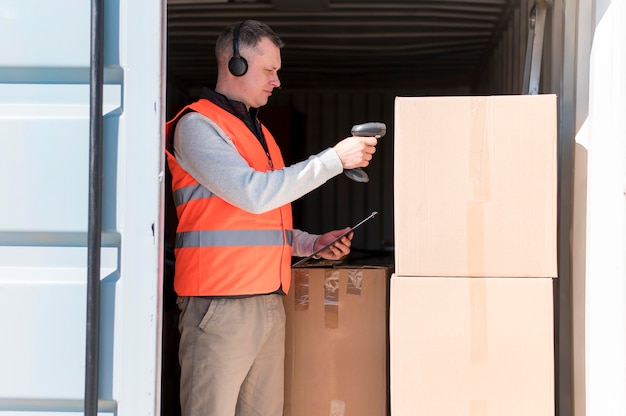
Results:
<point x="250" y="33"/>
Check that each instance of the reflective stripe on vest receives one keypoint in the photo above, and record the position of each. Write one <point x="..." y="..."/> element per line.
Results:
<point x="233" y="238"/>
<point x="189" y="193"/>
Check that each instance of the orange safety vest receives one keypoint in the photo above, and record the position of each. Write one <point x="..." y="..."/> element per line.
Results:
<point x="222" y="250"/>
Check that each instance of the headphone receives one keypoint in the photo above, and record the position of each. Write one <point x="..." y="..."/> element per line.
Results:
<point x="237" y="65"/>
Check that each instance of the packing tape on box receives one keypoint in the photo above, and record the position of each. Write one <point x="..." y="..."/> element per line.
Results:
<point x="332" y="283"/>
<point x="355" y="281"/>
<point x="478" y="320"/>
<point x="337" y="408"/>
<point x="478" y="346"/>
<point x="480" y="178"/>
<point x="478" y="408"/>
<point x="331" y="298"/>
<point x="300" y="287"/>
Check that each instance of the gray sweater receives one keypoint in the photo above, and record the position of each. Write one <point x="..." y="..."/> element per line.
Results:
<point x="205" y="151"/>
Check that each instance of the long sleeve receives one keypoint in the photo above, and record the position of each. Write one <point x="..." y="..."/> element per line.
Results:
<point x="204" y="150"/>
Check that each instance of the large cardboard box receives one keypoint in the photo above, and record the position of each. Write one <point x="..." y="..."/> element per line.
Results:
<point x="475" y="190"/>
<point x="471" y="346"/>
<point x="337" y="342"/>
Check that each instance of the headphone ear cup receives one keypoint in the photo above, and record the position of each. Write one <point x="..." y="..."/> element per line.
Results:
<point x="237" y="66"/>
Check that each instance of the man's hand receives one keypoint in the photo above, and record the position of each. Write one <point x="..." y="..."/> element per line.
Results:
<point x="339" y="249"/>
<point x="356" y="152"/>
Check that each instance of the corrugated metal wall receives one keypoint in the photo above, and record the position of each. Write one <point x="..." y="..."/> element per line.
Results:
<point x="324" y="118"/>
<point x="504" y="68"/>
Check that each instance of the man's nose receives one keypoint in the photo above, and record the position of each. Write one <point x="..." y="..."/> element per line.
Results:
<point x="275" y="82"/>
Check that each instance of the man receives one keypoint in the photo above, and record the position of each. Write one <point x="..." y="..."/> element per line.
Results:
<point x="234" y="239"/>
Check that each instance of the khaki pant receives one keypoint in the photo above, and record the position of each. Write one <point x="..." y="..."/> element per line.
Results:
<point x="232" y="356"/>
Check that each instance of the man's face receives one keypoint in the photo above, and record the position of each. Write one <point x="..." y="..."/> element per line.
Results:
<point x="259" y="82"/>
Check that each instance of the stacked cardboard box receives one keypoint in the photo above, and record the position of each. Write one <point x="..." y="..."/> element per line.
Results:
<point x="337" y="342"/>
<point x="471" y="315"/>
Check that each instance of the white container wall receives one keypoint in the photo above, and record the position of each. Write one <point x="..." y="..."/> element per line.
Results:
<point x="44" y="119"/>
<point x="599" y="233"/>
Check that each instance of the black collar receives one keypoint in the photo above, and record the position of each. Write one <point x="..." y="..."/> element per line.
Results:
<point x="236" y="108"/>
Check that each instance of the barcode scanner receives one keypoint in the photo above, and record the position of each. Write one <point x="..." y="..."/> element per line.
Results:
<point x="372" y="128"/>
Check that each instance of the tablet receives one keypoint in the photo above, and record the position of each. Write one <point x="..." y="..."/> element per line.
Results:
<point x="354" y="227"/>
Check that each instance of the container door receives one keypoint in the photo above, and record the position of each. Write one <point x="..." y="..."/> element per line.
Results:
<point x="44" y="125"/>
